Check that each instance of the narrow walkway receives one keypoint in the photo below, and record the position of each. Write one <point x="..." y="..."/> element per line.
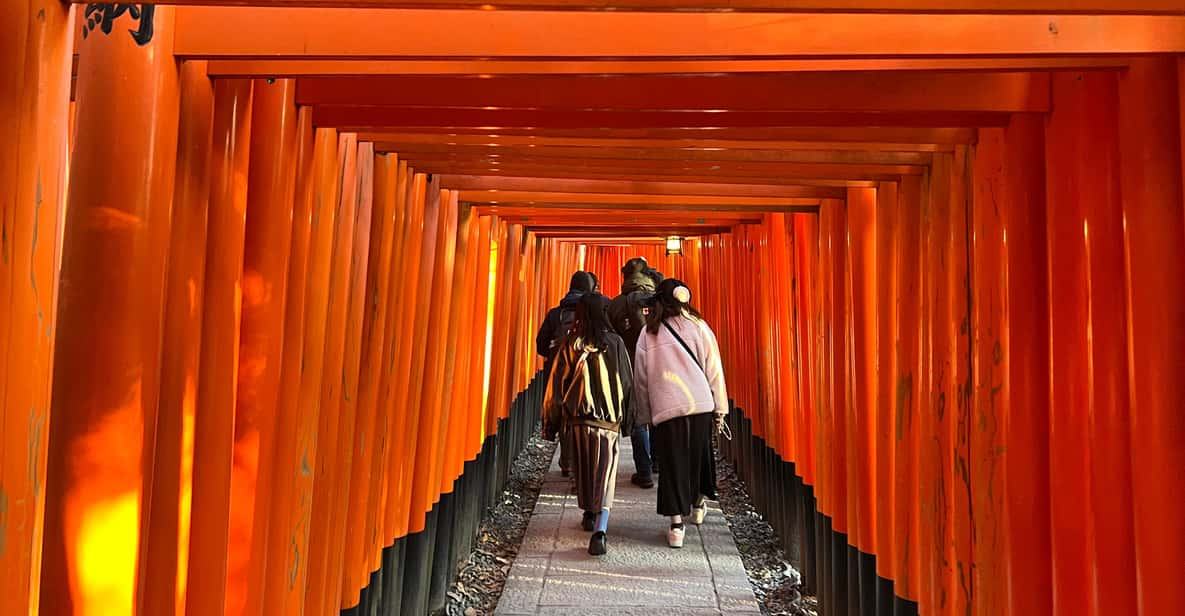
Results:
<point x="640" y="575"/>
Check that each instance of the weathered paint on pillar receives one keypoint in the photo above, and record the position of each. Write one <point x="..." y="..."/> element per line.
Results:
<point x="284" y="551"/>
<point x="35" y="46"/>
<point x="110" y="314"/>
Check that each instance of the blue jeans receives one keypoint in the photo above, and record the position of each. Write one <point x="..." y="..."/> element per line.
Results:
<point x="643" y="461"/>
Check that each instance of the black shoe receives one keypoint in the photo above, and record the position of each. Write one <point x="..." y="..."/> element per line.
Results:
<point x="596" y="544"/>
<point x="588" y="522"/>
<point x="564" y="472"/>
<point x="642" y="481"/>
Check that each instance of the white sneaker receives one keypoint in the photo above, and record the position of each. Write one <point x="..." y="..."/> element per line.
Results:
<point x="675" y="537"/>
<point x="698" y="513"/>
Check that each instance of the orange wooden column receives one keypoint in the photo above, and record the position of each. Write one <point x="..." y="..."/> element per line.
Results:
<point x="363" y="190"/>
<point x="435" y="408"/>
<point x="1109" y="419"/>
<point x="458" y="353"/>
<point x="109" y="318"/>
<point x="35" y="44"/>
<point x="172" y="480"/>
<point x="908" y="391"/>
<point x="414" y="464"/>
<point x="375" y="337"/>
<point x="1026" y="463"/>
<point x="885" y="370"/>
<point x="475" y="434"/>
<point x="285" y="542"/>
<point x="373" y="340"/>
<point x="324" y="487"/>
<point x="806" y="231"/>
<point x="862" y="229"/>
<point x="218" y="373"/>
<point x="934" y="463"/>
<point x="415" y="317"/>
<point x="1151" y="159"/>
<point x="991" y="395"/>
<point x="384" y="489"/>
<point x="1082" y="175"/>
<point x="958" y="400"/>
<point x="270" y="191"/>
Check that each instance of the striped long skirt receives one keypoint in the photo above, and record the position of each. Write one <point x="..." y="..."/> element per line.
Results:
<point x="593" y="454"/>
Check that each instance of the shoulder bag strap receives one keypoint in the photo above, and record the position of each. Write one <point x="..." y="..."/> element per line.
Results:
<point x="685" y="347"/>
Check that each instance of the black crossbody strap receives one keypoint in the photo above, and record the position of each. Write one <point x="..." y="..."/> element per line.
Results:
<point x="685" y="347"/>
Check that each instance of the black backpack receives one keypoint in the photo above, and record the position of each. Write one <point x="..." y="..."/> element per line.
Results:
<point x="567" y="320"/>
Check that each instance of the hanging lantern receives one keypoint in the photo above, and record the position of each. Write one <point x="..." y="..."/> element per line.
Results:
<point x="674" y="245"/>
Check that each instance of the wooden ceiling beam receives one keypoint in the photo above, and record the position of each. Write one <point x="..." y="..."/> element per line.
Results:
<point x="628" y="231"/>
<point x="790" y="6"/>
<point x="862" y="91"/>
<point x="446" y="164"/>
<point x="635" y="175"/>
<point x="501" y="184"/>
<point x="359" y="118"/>
<point x="340" y="33"/>
<point x="850" y="156"/>
<point x="626" y="200"/>
<point x="404" y="140"/>
<point x="311" y="68"/>
<point x="924" y="135"/>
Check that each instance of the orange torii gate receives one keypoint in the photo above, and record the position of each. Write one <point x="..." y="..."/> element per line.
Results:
<point x="270" y="290"/>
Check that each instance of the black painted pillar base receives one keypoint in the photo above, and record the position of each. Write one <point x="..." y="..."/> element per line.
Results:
<point x="884" y="596"/>
<point x="417" y="574"/>
<point x="839" y="574"/>
<point x="853" y="580"/>
<point x="868" y="584"/>
<point x="393" y="565"/>
<point x="438" y="584"/>
<point x="373" y="594"/>
<point x="904" y="607"/>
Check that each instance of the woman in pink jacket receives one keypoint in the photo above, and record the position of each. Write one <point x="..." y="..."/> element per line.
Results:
<point x="679" y="390"/>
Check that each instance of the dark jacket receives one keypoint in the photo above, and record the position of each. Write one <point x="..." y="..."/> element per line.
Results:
<point x="549" y="331"/>
<point x="605" y="399"/>
<point x="625" y="311"/>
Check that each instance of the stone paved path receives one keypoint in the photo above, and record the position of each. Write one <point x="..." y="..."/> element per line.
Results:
<point x="641" y="575"/>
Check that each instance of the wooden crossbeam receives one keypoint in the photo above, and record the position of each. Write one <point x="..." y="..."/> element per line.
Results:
<point x="337" y="33"/>
<point x="772" y="155"/>
<point x="308" y="68"/>
<point x="361" y="118"/>
<point x="852" y="6"/>
<point x="412" y="141"/>
<point x="630" y="200"/>
<point x="921" y="135"/>
<point x="817" y="92"/>
<point x="473" y="184"/>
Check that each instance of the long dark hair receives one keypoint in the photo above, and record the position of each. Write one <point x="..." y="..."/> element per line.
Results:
<point x="592" y="322"/>
<point x="666" y="305"/>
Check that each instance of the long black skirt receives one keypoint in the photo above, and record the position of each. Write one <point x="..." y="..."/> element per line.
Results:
<point x="688" y="463"/>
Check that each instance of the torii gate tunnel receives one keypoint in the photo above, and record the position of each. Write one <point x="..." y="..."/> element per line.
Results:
<point x="270" y="273"/>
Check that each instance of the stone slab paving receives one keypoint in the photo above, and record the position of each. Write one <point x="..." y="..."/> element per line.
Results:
<point x="640" y="576"/>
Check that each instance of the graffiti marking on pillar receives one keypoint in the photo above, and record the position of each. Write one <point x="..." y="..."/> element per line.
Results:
<point x="103" y="16"/>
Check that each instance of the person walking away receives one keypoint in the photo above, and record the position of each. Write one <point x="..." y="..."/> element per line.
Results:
<point x="589" y="390"/>
<point x="679" y="390"/>
<point x="556" y="325"/>
<point x="627" y="313"/>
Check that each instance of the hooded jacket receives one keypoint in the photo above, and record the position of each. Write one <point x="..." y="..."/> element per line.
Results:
<point x="625" y="311"/>
<point x="549" y="331"/>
